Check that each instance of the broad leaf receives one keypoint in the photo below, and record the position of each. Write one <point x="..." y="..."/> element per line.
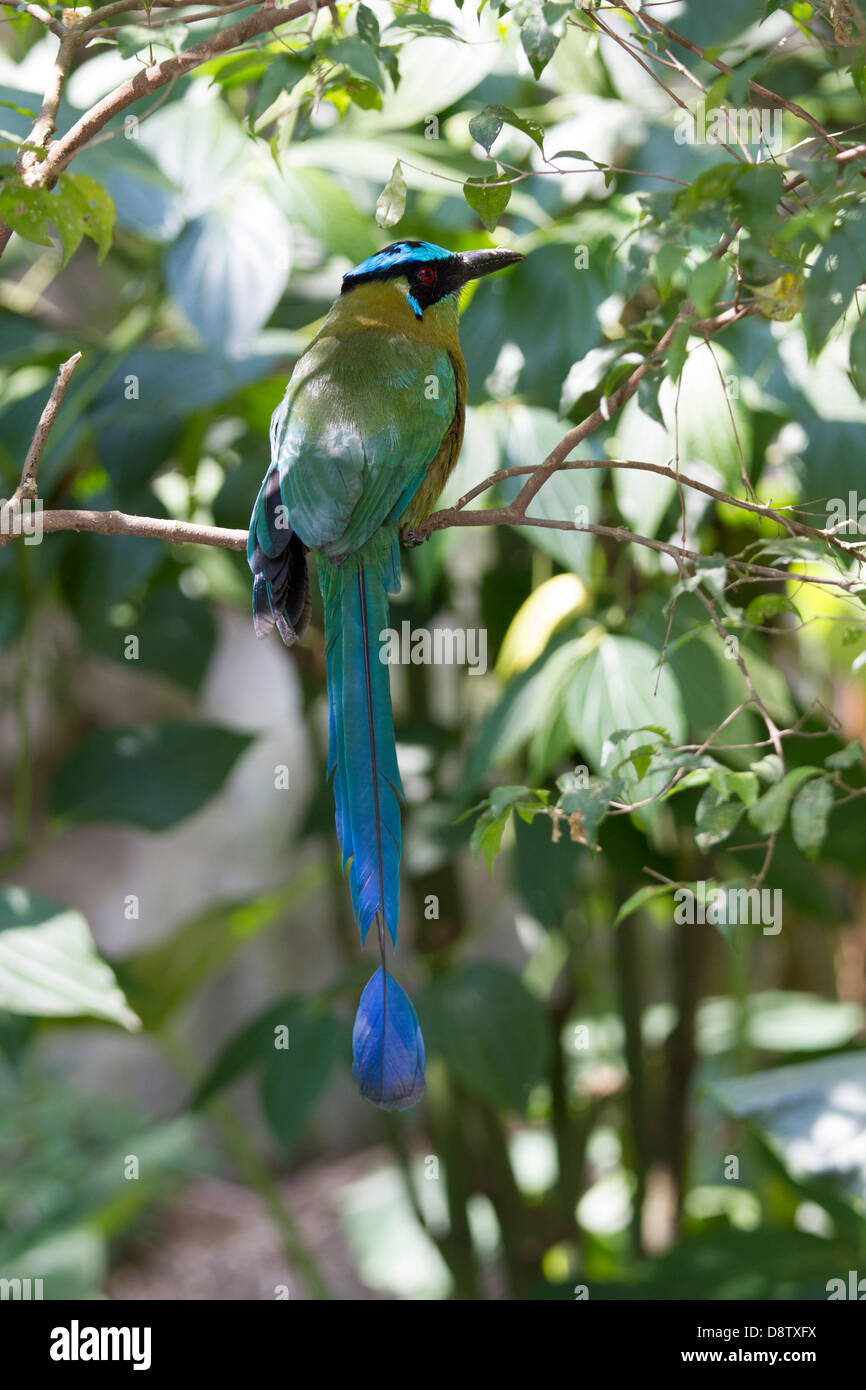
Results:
<point x="152" y="775"/>
<point x="490" y="1030"/>
<point x="49" y="964"/>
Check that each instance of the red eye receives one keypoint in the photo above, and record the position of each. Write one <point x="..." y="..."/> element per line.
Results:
<point x="427" y="276"/>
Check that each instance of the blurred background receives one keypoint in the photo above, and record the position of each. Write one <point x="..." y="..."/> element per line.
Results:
<point x="617" y="1102"/>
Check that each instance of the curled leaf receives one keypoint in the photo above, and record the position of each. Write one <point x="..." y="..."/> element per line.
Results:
<point x="391" y="203"/>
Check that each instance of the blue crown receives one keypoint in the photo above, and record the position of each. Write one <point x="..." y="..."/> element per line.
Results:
<point x="388" y="261"/>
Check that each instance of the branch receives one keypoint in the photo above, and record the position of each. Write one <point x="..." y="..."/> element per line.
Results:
<point x="114" y="523"/>
<point x="150" y="79"/>
<point x="773" y="97"/>
<point x="111" y="523"/>
<point x="180" y="532"/>
<point x="158" y="528"/>
<point x="37" y="12"/>
<point x="27" y="485"/>
<point x="42" y="173"/>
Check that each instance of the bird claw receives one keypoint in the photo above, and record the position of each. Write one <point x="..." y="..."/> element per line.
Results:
<point x="410" y="537"/>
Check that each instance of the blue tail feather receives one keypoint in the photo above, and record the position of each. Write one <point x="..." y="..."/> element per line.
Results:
<point x="362" y="755"/>
<point x="387" y="1045"/>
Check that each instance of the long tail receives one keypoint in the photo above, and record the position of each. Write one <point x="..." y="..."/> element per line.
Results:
<point x="362" y="758"/>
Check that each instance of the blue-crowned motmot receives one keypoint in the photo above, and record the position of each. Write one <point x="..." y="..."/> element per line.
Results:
<point x="362" y="444"/>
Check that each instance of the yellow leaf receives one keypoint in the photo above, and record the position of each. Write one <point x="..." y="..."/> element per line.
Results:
<point x="535" y="621"/>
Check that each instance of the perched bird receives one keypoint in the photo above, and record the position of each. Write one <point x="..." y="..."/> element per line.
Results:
<point x="361" y="446"/>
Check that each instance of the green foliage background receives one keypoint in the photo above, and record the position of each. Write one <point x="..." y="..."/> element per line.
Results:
<point x="594" y="1065"/>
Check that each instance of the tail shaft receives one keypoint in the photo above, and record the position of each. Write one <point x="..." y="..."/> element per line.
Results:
<point x="362" y="756"/>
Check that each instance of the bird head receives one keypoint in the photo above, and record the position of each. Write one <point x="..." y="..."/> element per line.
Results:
<point x="431" y="272"/>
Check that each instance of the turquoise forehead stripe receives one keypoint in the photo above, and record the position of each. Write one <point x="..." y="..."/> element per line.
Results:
<point x="401" y="252"/>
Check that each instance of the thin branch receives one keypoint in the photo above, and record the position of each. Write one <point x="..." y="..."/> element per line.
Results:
<point x="37" y="12"/>
<point x="27" y="487"/>
<point x="114" y="523"/>
<point x="756" y="87"/>
<point x="42" y="173"/>
<point x="267" y="18"/>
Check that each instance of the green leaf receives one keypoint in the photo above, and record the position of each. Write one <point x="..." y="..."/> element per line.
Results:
<point x="160" y="980"/>
<point x="368" y="25"/>
<point x="20" y="110"/>
<point x="667" y="263"/>
<point x="486" y="837"/>
<point x="742" y="784"/>
<point x="715" y="818"/>
<point x="49" y="964"/>
<point x="857" y="357"/>
<point x="649" y="893"/>
<point x="544" y="869"/>
<point x="152" y="775"/>
<point x="769" y="768"/>
<point x="249" y="1048"/>
<point x="848" y="756"/>
<point x="675" y="359"/>
<point x="488" y="197"/>
<point x="705" y="284"/>
<point x="488" y="830"/>
<point x="756" y="194"/>
<point x="94" y="206"/>
<point x="67" y="218"/>
<point x="391" y="203"/>
<point x="236" y="69"/>
<point x="834" y="277"/>
<point x="612" y="690"/>
<point x="427" y="24"/>
<point x="294" y="1077"/>
<point x="26" y="210"/>
<point x="537" y="32"/>
<point x="768" y="814"/>
<point x="590" y="801"/>
<point x="176" y="636"/>
<point x="707" y="415"/>
<point x="281" y="76"/>
<point x="712" y="186"/>
<point x="809" y="812"/>
<point x="132" y="38"/>
<point x="356" y="90"/>
<point x="490" y="1030"/>
<point x="486" y="126"/>
<point x="814" y="1099"/>
<point x="358" y="57"/>
<point x="767" y="606"/>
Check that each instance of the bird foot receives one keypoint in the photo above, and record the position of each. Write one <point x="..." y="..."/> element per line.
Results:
<point x="410" y="537"/>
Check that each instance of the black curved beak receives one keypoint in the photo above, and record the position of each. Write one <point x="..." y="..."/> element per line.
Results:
<point x="474" y="264"/>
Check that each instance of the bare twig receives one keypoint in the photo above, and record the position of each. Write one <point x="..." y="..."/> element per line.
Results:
<point x="27" y="487"/>
<point x="42" y="172"/>
<point x="773" y="97"/>
<point x="114" y="523"/>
